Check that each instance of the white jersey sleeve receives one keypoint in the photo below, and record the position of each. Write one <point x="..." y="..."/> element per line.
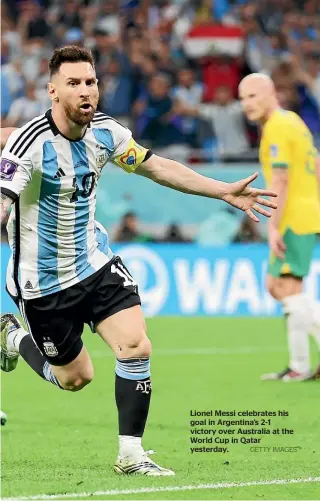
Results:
<point x="126" y="153"/>
<point x="16" y="167"/>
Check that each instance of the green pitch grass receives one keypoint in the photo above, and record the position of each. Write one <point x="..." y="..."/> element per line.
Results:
<point x="57" y="442"/>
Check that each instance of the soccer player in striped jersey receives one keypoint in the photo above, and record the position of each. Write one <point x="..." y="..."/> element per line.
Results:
<point x="289" y="162"/>
<point x="63" y="273"/>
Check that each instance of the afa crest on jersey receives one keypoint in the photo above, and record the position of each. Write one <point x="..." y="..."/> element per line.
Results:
<point x="102" y="156"/>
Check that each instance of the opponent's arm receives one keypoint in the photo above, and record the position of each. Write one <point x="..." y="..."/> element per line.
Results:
<point x="179" y="177"/>
<point x="279" y="184"/>
<point x="5" y="133"/>
<point x="280" y="158"/>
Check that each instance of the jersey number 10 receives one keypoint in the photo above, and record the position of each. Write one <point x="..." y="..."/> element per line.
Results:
<point x="88" y="182"/>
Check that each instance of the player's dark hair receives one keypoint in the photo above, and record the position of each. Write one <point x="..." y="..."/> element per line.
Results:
<point x="69" y="54"/>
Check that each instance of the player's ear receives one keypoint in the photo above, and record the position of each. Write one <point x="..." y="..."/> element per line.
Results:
<point x="52" y="92"/>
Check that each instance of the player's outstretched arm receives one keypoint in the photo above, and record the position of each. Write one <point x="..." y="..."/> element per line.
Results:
<point x="5" y="133"/>
<point x="179" y="177"/>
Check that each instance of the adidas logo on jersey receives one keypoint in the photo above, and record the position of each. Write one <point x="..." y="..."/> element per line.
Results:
<point x="28" y="285"/>
<point x="60" y="172"/>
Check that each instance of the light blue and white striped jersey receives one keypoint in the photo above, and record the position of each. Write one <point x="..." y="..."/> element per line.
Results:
<point x="52" y="230"/>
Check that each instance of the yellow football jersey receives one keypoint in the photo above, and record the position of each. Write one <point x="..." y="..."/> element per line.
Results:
<point x="287" y="143"/>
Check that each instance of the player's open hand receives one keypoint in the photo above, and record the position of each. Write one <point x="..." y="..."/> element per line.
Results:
<point x="249" y="199"/>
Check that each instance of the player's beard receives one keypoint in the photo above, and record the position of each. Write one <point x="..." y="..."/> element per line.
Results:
<point x="77" y="116"/>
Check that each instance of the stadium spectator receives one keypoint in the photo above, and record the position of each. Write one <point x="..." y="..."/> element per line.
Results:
<point x="228" y="123"/>
<point x="174" y="234"/>
<point x="109" y="19"/>
<point x="132" y="41"/>
<point x="116" y="90"/>
<point x="188" y="90"/>
<point x="291" y="77"/>
<point x="32" y="25"/>
<point x="248" y="232"/>
<point x="217" y="72"/>
<point x="25" y="108"/>
<point x="70" y="17"/>
<point x="158" y="118"/>
<point x="12" y="85"/>
<point x="128" y="230"/>
<point x="188" y="93"/>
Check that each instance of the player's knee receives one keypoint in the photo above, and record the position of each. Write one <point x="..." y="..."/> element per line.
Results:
<point x="139" y="346"/>
<point x="78" y="381"/>
<point x="277" y="288"/>
<point x="273" y="290"/>
<point x="285" y="286"/>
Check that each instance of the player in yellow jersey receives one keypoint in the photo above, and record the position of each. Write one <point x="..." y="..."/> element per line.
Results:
<point x="289" y="162"/>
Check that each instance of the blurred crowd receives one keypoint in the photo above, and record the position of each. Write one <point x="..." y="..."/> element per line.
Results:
<point x="132" y="230"/>
<point x="150" y="81"/>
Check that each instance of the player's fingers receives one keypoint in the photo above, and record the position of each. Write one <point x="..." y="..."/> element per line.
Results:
<point x="252" y="215"/>
<point x="265" y="193"/>
<point x="262" y="211"/>
<point x="251" y="178"/>
<point x="267" y="203"/>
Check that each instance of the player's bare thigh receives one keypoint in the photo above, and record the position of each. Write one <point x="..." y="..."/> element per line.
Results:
<point x="77" y="374"/>
<point x="126" y="333"/>
<point x="284" y="286"/>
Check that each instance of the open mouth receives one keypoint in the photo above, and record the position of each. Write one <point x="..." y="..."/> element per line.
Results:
<point x="86" y="107"/>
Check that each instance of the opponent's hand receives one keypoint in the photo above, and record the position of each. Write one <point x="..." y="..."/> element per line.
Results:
<point x="243" y="197"/>
<point x="276" y="243"/>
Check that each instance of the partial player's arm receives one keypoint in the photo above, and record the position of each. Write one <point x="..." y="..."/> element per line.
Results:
<point x="15" y="172"/>
<point x="179" y="177"/>
<point x="5" y="133"/>
<point x="5" y="204"/>
<point x="280" y="159"/>
<point x="5" y="201"/>
<point x="279" y="184"/>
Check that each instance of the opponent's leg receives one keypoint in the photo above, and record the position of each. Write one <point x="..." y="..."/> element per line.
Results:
<point x="288" y="290"/>
<point x="125" y="332"/>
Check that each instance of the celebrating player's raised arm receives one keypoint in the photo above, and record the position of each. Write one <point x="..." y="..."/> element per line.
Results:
<point x="133" y="157"/>
<point x="179" y="177"/>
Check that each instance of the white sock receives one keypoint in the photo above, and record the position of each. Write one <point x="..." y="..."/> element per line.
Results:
<point x="296" y="308"/>
<point x="314" y="328"/>
<point x="130" y="446"/>
<point x="14" y="339"/>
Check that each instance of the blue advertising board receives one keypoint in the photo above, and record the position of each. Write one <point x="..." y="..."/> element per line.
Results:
<point x="186" y="279"/>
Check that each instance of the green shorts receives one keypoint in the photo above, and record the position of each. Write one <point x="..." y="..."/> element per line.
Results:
<point x="297" y="257"/>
